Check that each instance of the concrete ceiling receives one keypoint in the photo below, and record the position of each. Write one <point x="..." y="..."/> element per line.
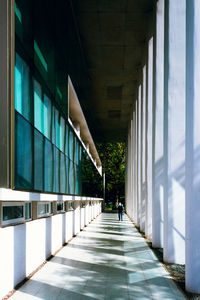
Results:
<point x="113" y="34"/>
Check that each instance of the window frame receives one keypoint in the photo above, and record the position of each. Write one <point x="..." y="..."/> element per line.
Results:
<point x="12" y="221"/>
<point x="50" y="207"/>
<point x="63" y="207"/>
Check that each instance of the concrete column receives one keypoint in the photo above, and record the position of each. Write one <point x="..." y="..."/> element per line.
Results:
<point x="143" y="188"/>
<point x="174" y="131"/>
<point x="158" y="129"/>
<point x="131" y="169"/>
<point x="148" y="223"/>
<point x="134" y="167"/>
<point x="133" y="163"/>
<point x="139" y="145"/>
<point x="192" y="267"/>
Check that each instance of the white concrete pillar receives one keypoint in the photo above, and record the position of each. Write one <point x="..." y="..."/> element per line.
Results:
<point x="158" y="126"/>
<point x="148" y="223"/>
<point x="131" y="170"/>
<point x="192" y="267"/>
<point x="143" y="187"/>
<point x="134" y="166"/>
<point x="174" y="131"/>
<point x="139" y="147"/>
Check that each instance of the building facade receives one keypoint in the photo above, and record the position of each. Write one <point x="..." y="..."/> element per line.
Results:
<point x="44" y="137"/>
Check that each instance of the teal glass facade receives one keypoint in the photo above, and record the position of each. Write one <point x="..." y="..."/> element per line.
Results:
<point x="48" y="154"/>
<point x="47" y="150"/>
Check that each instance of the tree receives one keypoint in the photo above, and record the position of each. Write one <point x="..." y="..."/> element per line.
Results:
<point x="112" y="156"/>
<point x="113" y="159"/>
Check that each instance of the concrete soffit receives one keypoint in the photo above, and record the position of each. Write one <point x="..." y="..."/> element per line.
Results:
<point x="77" y="121"/>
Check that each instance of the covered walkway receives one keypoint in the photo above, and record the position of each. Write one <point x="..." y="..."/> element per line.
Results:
<point x="107" y="260"/>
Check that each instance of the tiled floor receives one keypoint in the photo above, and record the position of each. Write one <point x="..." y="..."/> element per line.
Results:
<point x="108" y="260"/>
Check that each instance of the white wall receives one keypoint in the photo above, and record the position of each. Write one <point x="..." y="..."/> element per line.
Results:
<point x="26" y="246"/>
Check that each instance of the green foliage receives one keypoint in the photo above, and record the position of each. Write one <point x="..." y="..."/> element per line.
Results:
<point x="113" y="159"/>
<point x="112" y="156"/>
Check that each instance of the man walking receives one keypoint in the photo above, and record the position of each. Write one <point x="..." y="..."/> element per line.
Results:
<point x="120" y="211"/>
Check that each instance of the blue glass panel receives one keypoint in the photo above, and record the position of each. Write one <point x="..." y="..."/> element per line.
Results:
<point x="23" y="153"/>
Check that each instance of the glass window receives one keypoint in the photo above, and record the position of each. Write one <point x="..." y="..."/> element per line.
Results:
<point x="71" y="145"/>
<point x="57" y="127"/>
<point x="82" y="204"/>
<point x="38" y="107"/>
<point x="38" y="161"/>
<point x="22" y="89"/>
<point x="62" y="173"/>
<point x="62" y="134"/>
<point x="27" y="209"/>
<point x="71" y="205"/>
<point x="48" y="166"/>
<point x="12" y="212"/>
<point x="44" y="209"/>
<point x="56" y="170"/>
<point x="77" y="151"/>
<point x="67" y="175"/>
<point x="53" y="130"/>
<point x="78" y="180"/>
<point x="66" y="140"/>
<point x="60" y="207"/>
<point x="47" y="117"/>
<point x="71" y="177"/>
<point x="23" y="153"/>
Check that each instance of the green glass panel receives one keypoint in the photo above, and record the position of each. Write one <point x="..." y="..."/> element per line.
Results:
<point x="67" y="174"/>
<point x="66" y="140"/>
<point x="71" y="145"/>
<point x="48" y="166"/>
<point x="57" y="126"/>
<point x="47" y="117"/>
<point x="59" y="92"/>
<point x="23" y="153"/>
<point x="78" y="180"/>
<point x="22" y="88"/>
<point x="38" y="161"/>
<point x="71" y="178"/>
<point x="18" y="13"/>
<point x="53" y="128"/>
<point x="40" y="56"/>
<point x="62" y="134"/>
<point x="38" y="107"/>
<point x="77" y="151"/>
<point x="62" y="173"/>
<point x="27" y="210"/>
<point x="56" y="170"/>
<point x="18" y="90"/>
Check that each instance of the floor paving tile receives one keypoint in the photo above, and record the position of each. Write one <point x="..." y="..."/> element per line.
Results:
<point x="108" y="260"/>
